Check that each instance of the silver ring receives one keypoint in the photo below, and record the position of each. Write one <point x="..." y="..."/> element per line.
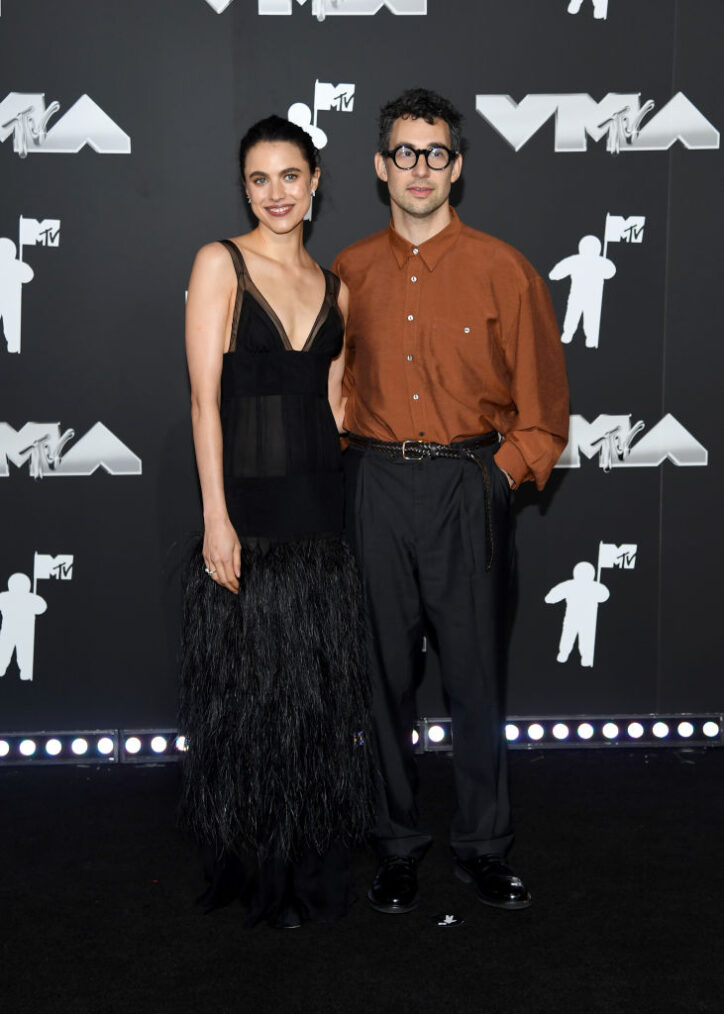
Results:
<point x="210" y="571"/>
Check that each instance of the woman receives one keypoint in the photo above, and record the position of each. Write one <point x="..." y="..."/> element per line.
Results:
<point x="273" y="697"/>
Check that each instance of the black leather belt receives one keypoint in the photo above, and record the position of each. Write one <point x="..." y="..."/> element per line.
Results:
<point x="420" y="450"/>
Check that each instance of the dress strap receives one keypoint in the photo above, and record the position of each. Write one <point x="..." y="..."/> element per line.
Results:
<point x="240" y="286"/>
<point x="333" y="284"/>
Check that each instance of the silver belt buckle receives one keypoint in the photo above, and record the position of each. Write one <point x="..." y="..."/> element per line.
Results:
<point x="405" y="452"/>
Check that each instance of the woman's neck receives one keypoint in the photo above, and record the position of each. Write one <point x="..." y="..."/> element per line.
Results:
<point x="287" y="248"/>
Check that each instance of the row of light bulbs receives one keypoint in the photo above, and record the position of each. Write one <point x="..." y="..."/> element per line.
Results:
<point x="81" y="747"/>
<point x="610" y="730"/>
<point x="516" y="732"/>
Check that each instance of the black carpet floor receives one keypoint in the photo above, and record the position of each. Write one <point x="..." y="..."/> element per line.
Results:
<point x="622" y="852"/>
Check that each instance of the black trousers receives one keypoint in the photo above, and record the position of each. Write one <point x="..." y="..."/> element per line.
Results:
<point x="417" y="529"/>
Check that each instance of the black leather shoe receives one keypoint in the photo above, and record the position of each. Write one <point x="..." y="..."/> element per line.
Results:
<point x="495" y="882"/>
<point x="394" y="889"/>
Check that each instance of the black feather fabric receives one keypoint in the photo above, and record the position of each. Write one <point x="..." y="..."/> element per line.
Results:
<point x="275" y="702"/>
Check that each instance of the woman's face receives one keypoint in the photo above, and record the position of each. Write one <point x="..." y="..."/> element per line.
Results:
<point x="279" y="183"/>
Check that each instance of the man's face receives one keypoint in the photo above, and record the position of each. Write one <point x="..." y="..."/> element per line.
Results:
<point x="419" y="191"/>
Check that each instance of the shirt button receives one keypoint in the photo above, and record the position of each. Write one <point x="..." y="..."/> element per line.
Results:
<point x="415" y="250"/>
<point x="415" y="397"/>
<point x="466" y="330"/>
<point x="409" y="359"/>
<point x="410" y="317"/>
<point x="413" y="278"/>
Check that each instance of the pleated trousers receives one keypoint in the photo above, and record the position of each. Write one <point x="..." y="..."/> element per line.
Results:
<point x="418" y="532"/>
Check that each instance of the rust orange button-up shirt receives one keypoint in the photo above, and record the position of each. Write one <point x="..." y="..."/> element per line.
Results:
<point x="451" y="339"/>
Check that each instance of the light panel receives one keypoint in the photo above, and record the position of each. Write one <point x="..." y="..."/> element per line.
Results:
<point x="151" y="746"/>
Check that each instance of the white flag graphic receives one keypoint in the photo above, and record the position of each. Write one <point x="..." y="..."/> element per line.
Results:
<point x="39" y="233"/>
<point x="624" y="230"/>
<point x="46" y="566"/>
<point x="329" y="96"/>
<point x="610" y="555"/>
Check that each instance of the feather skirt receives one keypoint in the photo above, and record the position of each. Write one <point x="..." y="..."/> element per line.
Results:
<point x="275" y="702"/>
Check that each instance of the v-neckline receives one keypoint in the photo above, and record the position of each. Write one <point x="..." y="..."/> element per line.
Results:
<point x="266" y="306"/>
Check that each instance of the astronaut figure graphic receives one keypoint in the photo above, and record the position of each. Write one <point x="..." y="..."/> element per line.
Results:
<point x="588" y="271"/>
<point x="14" y="274"/>
<point x="582" y="594"/>
<point x="19" y="607"/>
<point x="600" y="8"/>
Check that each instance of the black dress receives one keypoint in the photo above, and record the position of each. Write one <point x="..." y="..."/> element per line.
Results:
<point x="274" y="698"/>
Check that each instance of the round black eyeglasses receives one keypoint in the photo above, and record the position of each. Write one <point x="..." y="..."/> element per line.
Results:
<point x="437" y="156"/>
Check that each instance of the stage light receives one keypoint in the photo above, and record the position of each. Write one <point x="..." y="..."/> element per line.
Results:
<point x="635" y="730"/>
<point x="685" y="729"/>
<point x="133" y="744"/>
<point x="560" y="730"/>
<point x="436" y="733"/>
<point x="536" y="731"/>
<point x="27" y="747"/>
<point x="105" y="745"/>
<point x="610" y="730"/>
<point x="79" y="746"/>
<point x="4" y="748"/>
<point x="159" y="744"/>
<point x="512" y="732"/>
<point x="660" y="730"/>
<point x="182" y="746"/>
<point x="710" y="729"/>
<point x="415" y="737"/>
<point x="53" y="747"/>
<point x="585" y="730"/>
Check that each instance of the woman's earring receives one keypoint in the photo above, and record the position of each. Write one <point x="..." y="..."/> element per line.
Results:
<point x="248" y="198"/>
<point x="313" y="193"/>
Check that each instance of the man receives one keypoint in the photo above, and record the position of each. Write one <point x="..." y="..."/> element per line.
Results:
<point x="451" y="342"/>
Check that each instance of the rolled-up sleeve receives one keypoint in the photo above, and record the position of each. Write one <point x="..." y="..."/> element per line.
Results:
<point x="539" y="389"/>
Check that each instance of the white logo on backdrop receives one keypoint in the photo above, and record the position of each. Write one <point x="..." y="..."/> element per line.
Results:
<point x="14" y="272"/>
<point x="327" y="97"/>
<point x="320" y="9"/>
<point x="588" y="271"/>
<point x="618" y="117"/>
<point x="42" y="447"/>
<point x="19" y="607"/>
<point x="583" y="593"/>
<point x="25" y="116"/>
<point x="338" y="98"/>
<point x="600" y="8"/>
<point x="611" y="438"/>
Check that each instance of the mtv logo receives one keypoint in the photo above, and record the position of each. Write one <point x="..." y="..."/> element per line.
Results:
<point x="624" y="230"/>
<point x="338" y="97"/>
<point x="617" y="117"/>
<point x="25" y="116"/>
<point x="58" y="567"/>
<point x="611" y="438"/>
<point x="621" y="557"/>
<point x="35" y="233"/>
<point x="42" y="447"/>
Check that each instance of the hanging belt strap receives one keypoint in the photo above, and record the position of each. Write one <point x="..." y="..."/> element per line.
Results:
<point x="419" y="450"/>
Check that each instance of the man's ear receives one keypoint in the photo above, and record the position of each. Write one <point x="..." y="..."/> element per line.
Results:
<point x="457" y="169"/>
<point x="381" y="167"/>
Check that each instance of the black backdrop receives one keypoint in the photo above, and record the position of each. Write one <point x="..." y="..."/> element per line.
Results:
<point x="102" y="317"/>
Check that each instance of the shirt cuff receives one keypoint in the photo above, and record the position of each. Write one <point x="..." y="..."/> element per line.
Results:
<point x="509" y="458"/>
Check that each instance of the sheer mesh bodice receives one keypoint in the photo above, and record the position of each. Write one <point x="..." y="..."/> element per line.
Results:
<point x="282" y="465"/>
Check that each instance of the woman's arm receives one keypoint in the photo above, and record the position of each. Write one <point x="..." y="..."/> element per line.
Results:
<point x="208" y="312"/>
<point x="337" y="400"/>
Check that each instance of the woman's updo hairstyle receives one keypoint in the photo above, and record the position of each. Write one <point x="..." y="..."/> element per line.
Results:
<point x="276" y="128"/>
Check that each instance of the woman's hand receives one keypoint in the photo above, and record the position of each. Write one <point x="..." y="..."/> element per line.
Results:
<point x="222" y="554"/>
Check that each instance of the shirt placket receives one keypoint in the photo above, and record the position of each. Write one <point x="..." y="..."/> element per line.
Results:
<point x="411" y="343"/>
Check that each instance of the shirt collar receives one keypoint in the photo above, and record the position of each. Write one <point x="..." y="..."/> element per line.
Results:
<point x="432" y="250"/>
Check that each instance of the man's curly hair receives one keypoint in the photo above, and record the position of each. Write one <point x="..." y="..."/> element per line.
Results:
<point x="419" y="103"/>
